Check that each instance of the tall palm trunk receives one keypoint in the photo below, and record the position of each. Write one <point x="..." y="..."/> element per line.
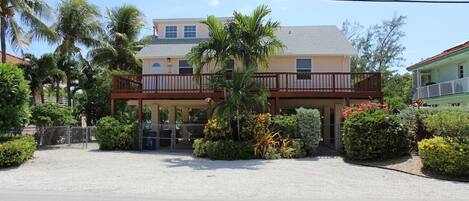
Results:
<point x="41" y="93"/>
<point x="57" y="91"/>
<point x="69" y="93"/>
<point x="3" y="39"/>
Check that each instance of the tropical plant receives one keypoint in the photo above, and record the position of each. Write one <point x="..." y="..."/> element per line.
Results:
<point x="121" y="44"/>
<point x="113" y="134"/>
<point x="255" y="124"/>
<point x="31" y="13"/>
<point x="454" y="124"/>
<point x="244" y="94"/>
<point x="14" y="99"/>
<point x="77" y="24"/>
<point x="40" y="71"/>
<point x="265" y="143"/>
<point x="286" y="124"/>
<point x="216" y="129"/>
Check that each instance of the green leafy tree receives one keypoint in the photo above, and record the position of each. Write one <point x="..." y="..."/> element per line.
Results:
<point x="51" y="114"/>
<point x="121" y="42"/>
<point x="40" y="71"/>
<point x="14" y="101"/>
<point x="379" y="49"/>
<point x="77" y="25"/>
<point x="31" y="13"/>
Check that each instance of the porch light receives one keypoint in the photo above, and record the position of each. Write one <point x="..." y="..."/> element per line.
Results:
<point x="168" y="60"/>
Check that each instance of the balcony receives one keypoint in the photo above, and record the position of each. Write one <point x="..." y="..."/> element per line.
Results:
<point x="442" y="89"/>
<point x="280" y="84"/>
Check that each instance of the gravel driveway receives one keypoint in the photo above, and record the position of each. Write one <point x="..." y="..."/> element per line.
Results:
<point x="165" y="175"/>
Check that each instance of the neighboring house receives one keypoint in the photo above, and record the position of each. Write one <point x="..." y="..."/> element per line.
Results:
<point x="443" y="79"/>
<point x="14" y="59"/>
<point x="312" y="71"/>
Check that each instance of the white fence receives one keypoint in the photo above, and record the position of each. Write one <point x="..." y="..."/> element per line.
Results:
<point x="443" y="89"/>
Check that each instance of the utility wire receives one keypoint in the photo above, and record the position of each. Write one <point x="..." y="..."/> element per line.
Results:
<point x="409" y="1"/>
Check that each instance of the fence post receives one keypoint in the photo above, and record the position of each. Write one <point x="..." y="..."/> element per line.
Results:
<point x="69" y="135"/>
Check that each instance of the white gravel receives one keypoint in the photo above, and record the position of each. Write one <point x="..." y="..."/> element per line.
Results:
<point x="166" y="175"/>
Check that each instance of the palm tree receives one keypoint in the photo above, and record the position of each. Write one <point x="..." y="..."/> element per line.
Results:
<point x="253" y="37"/>
<point x="30" y="12"/>
<point x="216" y="50"/>
<point x="248" y="38"/>
<point x="121" y="43"/>
<point x="77" y="24"/>
<point x="245" y="95"/>
<point x="40" y="71"/>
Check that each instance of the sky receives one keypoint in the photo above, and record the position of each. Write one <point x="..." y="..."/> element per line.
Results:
<point x="430" y="28"/>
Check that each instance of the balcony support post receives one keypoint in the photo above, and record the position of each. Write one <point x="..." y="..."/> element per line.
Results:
<point x="277" y="105"/>
<point x="347" y="101"/>
<point x="113" y="106"/>
<point x="140" y="124"/>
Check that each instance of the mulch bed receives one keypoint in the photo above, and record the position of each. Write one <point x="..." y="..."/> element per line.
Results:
<point x="408" y="164"/>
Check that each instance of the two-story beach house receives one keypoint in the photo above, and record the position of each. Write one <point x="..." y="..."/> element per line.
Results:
<point x="443" y="79"/>
<point x="312" y="71"/>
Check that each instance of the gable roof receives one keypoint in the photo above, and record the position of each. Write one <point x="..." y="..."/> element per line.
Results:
<point x="449" y="52"/>
<point x="298" y="41"/>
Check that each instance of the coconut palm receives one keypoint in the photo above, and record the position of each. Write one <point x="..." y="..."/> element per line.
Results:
<point x="121" y="43"/>
<point x="77" y="25"/>
<point x="31" y="13"/>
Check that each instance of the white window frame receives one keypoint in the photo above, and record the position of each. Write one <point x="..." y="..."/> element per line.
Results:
<point x="166" y="31"/>
<point x="189" y="25"/>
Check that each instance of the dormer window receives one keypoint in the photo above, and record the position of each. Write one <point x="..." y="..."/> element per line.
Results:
<point x="189" y="31"/>
<point x="171" y="31"/>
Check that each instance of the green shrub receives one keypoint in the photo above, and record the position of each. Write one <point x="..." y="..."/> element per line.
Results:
<point x="112" y="134"/>
<point x="450" y="123"/>
<point x="255" y="124"/>
<point x="51" y="114"/>
<point x="14" y="98"/>
<point x="16" y="151"/>
<point x="224" y="149"/>
<point x="272" y="154"/>
<point x="309" y="128"/>
<point x="200" y="148"/>
<point x="286" y="124"/>
<point x="445" y="156"/>
<point x="413" y="118"/>
<point x="375" y="134"/>
<point x="298" y="145"/>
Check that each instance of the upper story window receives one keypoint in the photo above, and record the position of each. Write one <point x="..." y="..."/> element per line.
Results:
<point x="189" y="31"/>
<point x="303" y="66"/>
<point x="185" y="67"/>
<point x="171" y="31"/>
<point x="156" y="65"/>
<point x="460" y="71"/>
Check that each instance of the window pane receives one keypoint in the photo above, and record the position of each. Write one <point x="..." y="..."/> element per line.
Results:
<point x="303" y="63"/>
<point x="184" y="63"/>
<point x="189" y="31"/>
<point x="185" y="71"/>
<point x="229" y="65"/>
<point x="171" y="31"/>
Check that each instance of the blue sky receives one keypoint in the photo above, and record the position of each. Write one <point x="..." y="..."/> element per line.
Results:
<point x="429" y="29"/>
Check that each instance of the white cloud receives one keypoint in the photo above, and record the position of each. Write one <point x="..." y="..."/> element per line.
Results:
<point x="214" y="3"/>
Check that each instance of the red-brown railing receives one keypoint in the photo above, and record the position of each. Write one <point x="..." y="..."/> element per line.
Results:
<point x="275" y="81"/>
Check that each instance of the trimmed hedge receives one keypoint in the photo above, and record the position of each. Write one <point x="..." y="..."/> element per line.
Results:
<point x="375" y="134"/>
<point x="309" y="128"/>
<point x="286" y="124"/>
<point x="223" y="149"/>
<point x="445" y="156"/>
<point x="16" y="151"/>
<point x="112" y="134"/>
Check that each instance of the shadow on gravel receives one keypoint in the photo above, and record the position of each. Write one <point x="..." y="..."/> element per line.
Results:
<point x="206" y="164"/>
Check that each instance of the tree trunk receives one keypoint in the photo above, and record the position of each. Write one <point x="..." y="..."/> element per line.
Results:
<point x="57" y="91"/>
<point x="41" y="93"/>
<point x="3" y="39"/>
<point x="237" y="122"/>
<point x="69" y="93"/>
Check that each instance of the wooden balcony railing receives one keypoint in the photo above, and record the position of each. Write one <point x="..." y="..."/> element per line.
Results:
<point x="278" y="82"/>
